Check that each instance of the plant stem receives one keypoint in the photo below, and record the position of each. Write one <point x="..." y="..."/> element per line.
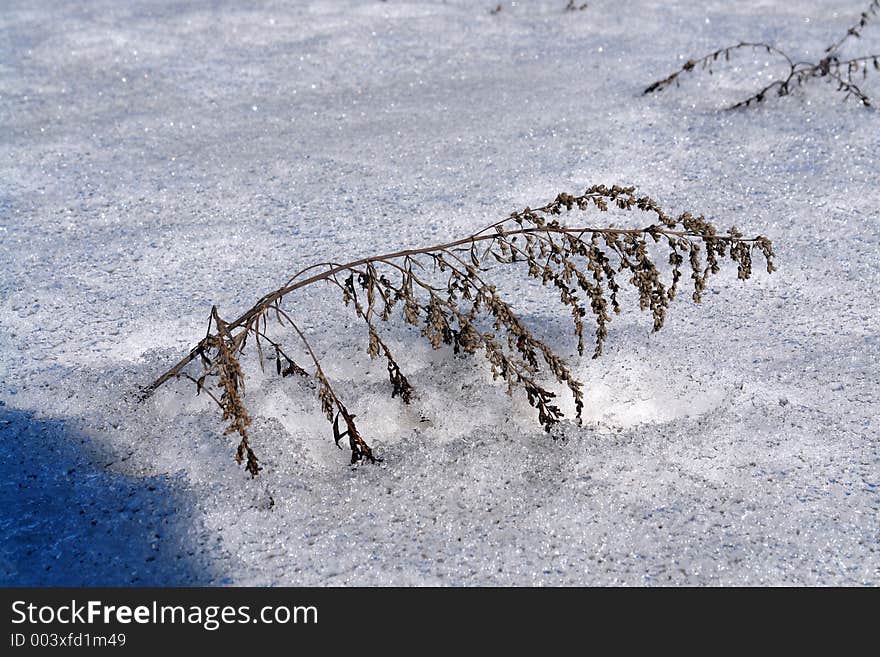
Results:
<point x="268" y="300"/>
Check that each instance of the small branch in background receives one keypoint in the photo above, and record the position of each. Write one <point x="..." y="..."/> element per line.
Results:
<point x="832" y="67"/>
<point x="446" y="291"/>
<point x="571" y="6"/>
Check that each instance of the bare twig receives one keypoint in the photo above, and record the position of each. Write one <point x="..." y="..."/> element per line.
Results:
<point x="583" y="265"/>
<point x="831" y="66"/>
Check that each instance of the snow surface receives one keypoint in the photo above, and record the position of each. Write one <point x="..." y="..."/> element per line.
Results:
<point x="158" y="157"/>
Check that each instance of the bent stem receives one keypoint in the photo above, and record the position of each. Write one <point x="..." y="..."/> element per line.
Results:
<point x="583" y="265"/>
<point x="835" y="69"/>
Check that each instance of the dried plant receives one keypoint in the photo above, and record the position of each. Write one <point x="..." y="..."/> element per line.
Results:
<point x="446" y="291"/>
<point x="571" y="6"/>
<point x="832" y="67"/>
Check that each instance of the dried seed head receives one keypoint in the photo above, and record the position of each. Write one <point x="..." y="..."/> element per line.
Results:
<point x="456" y="304"/>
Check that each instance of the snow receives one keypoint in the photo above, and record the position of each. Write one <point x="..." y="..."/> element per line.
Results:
<point x="160" y="157"/>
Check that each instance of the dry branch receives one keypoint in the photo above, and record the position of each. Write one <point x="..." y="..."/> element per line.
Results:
<point x="845" y="73"/>
<point x="463" y="309"/>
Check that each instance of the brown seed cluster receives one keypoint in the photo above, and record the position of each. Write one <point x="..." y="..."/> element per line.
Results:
<point x="226" y="367"/>
<point x="446" y="291"/>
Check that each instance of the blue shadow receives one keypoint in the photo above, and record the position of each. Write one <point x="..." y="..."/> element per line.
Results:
<point x="67" y="520"/>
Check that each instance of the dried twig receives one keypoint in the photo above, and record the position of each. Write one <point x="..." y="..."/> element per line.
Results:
<point x="574" y="6"/>
<point x="845" y="73"/>
<point x="455" y="303"/>
<point x="570" y="6"/>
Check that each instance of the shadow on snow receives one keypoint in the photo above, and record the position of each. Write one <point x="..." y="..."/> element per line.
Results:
<point x="67" y="521"/>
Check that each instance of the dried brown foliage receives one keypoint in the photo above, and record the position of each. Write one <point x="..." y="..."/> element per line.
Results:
<point x="844" y="73"/>
<point x="446" y="291"/>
